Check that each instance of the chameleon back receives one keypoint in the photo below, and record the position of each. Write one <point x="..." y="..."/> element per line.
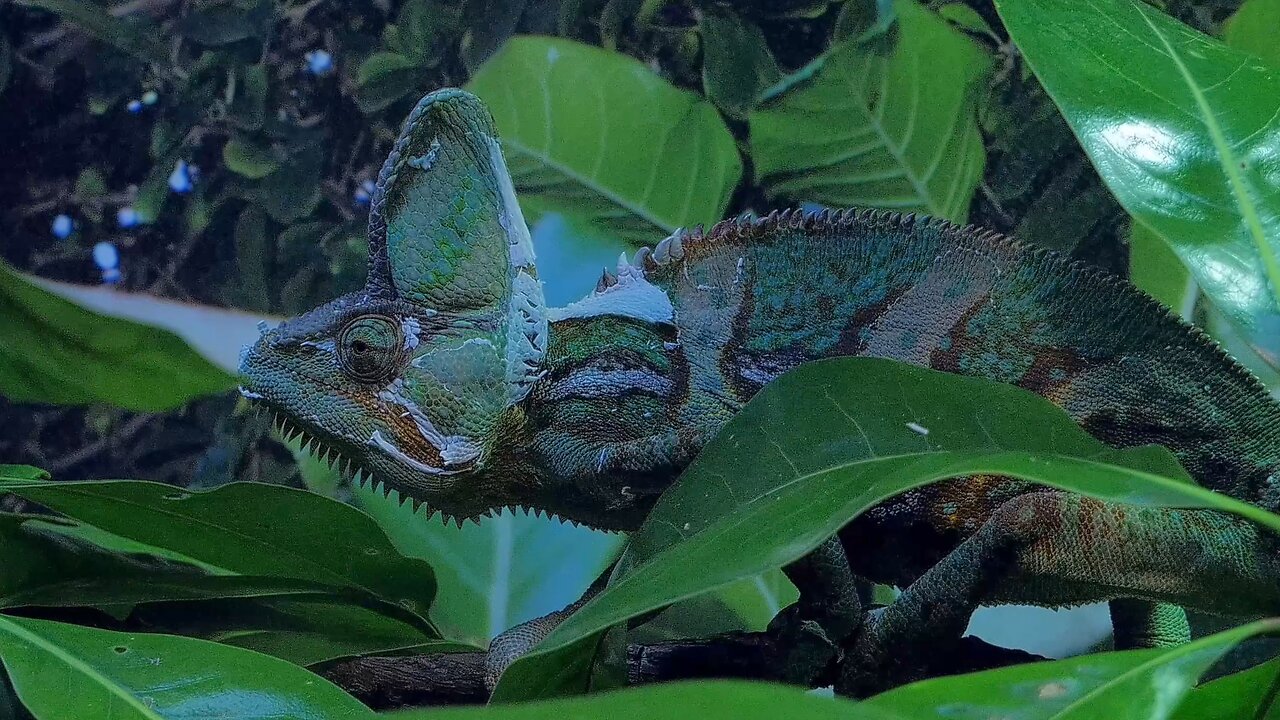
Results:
<point x="754" y="298"/>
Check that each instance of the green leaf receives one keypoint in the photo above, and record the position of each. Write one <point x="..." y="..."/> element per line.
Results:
<point x="887" y="122"/>
<point x="302" y="629"/>
<point x="501" y="572"/>
<point x="248" y="528"/>
<point x="1181" y="127"/>
<point x="1253" y="29"/>
<point x="137" y="37"/>
<point x="248" y="159"/>
<point x="23" y="472"/>
<point x="706" y="700"/>
<point x="1239" y="695"/>
<point x="54" y="351"/>
<point x="736" y="63"/>
<point x="1155" y="269"/>
<point x="1147" y="684"/>
<point x="293" y="191"/>
<point x="383" y="79"/>
<point x="40" y="560"/>
<point x="597" y="135"/>
<point x="65" y="671"/>
<point x="841" y="436"/>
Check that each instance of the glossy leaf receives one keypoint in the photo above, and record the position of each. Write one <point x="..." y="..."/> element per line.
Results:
<point x="65" y="671"/>
<point x="1155" y="269"/>
<point x="1146" y="684"/>
<point x="597" y="135"/>
<point x="840" y="440"/>
<point x="138" y="38"/>
<point x="1182" y="128"/>
<point x="1253" y="29"/>
<point x="887" y="122"/>
<point x="248" y="528"/>
<point x="1245" y="694"/>
<point x="709" y="700"/>
<point x="54" y="351"/>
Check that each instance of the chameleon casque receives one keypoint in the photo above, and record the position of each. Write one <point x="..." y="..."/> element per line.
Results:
<point x="449" y="380"/>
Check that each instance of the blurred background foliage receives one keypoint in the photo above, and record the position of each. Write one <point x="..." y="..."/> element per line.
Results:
<point x="225" y="149"/>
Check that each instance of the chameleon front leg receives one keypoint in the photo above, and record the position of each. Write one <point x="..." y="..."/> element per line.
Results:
<point x="514" y="643"/>
<point x="1054" y="548"/>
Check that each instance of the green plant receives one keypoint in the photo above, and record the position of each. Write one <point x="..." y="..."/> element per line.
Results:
<point x="622" y="121"/>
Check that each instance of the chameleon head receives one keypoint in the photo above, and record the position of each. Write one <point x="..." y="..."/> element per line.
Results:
<point x="414" y="377"/>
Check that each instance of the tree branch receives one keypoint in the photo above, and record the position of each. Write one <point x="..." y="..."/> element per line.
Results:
<point x="386" y="683"/>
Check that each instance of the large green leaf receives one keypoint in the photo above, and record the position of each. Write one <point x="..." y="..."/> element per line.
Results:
<point x="55" y="351"/>
<point x="139" y="38"/>
<point x="709" y="700"/>
<point x="1182" y="128"/>
<point x="69" y="671"/>
<point x="817" y="447"/>
<point x="214" y="333"/>
<point x="596" y="134"/>
<point x="1137" y="684"/>
<point x="887" y="122"/>
<point x="503" y="571"/>
<point x="248" y="528"/>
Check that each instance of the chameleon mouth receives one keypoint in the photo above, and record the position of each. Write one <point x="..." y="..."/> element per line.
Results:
<point x="351" y="470"/>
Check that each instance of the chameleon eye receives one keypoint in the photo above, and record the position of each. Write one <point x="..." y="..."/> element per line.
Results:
<point x="369" y="346"/>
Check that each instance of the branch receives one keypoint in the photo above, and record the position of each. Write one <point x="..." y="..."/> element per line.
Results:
<point x="386" y="683"/>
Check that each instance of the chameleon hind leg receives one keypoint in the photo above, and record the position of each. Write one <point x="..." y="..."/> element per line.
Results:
<point x="1138" y="623"/>
<point x="1054" y="548"/>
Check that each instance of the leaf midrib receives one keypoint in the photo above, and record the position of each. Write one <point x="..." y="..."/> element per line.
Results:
<point x="105" y="681"/>
<point x="1226" y="159"/>
<point x="1225" y="503"/>
<point x="300" y="559"/>
<point x="1161" y="659"/>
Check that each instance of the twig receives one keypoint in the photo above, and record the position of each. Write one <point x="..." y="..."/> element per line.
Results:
<point x="385" y="683"/>
<point x="57" y="466"/>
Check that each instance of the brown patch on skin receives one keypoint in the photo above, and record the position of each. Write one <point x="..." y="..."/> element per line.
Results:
<point x="969" y="508"/>
<point x="948" y="360"/>
<point x="851" y="341"/>
<point x="730" y="361"/>
<point x="1040" y="377"/>
<point x="410" y="441"/>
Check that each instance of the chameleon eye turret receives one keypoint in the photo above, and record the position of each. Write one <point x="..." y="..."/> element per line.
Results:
<point x="368" y="348"/>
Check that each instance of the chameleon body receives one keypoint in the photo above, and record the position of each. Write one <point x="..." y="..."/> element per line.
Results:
<point x="449" y="380"/>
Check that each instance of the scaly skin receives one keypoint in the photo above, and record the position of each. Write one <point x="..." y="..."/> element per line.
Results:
<point x="450" y="381"/>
